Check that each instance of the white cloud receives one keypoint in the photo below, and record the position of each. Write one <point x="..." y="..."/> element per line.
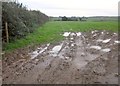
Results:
<point x="74" y="7"/>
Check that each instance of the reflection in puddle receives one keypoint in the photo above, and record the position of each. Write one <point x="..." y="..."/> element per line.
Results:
<point x="71" y="38"/>
<point x="95" y="47"/>
<point x="102" y="32"/>
<point x="79" y="34"/>
<point x="117" y="42"/>
<point x="94" y="35"/>
<point x="56" y="50"/>
<point x="35" y="53"/>
<point x="115" y="33"/>
<point x="66" y="57"/>
<point x="103" y="41"/>
<point x="99" y="40"/>
<point x="73" y="34"/>
<point x="106" y="41"/>
<point x="66" y="34"/>
<point x="106" y="50"/>
<point x="94" y="31"/>
<point x="72" y="45"/>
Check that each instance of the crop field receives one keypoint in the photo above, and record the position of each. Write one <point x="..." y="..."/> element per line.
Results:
<point x="50" y="32"/>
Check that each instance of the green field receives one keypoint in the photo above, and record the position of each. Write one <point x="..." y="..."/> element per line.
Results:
<point x="50" y="32"/>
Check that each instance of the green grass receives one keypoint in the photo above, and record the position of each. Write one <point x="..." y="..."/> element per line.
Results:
<point x="50" y="32"/>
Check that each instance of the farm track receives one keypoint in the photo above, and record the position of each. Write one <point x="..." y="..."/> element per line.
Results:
<point x="82" y="58"/>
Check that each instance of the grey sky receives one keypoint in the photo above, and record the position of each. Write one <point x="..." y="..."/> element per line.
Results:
<point x="74" y="7"/>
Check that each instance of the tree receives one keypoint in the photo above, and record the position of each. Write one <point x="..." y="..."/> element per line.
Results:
<point x="20" y="20"/>
<point x="64" y="18"/>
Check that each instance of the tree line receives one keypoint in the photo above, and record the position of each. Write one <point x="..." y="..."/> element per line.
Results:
<point x="64" y="18"/>
<point x="18" y="21"/>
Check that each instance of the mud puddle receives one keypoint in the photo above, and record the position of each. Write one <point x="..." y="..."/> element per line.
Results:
<point x="82" y="58"/>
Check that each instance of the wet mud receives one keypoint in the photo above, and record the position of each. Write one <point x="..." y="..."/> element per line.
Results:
<point x="81" y="58"/>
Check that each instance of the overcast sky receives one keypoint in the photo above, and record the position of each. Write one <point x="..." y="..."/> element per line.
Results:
<point x="74" y="7"/>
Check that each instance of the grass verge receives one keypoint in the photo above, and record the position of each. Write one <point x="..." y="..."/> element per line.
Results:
<point x="50" y="32"/>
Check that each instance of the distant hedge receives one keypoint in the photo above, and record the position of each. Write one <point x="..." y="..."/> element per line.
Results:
<point x="20" y="20"/>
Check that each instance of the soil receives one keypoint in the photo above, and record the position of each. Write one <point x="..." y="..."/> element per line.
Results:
<point x="81" y="58"/>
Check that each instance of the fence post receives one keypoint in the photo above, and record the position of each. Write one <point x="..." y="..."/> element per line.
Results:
<point x="6" y="30"/>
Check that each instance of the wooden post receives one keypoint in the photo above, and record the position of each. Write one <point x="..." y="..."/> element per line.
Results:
<point x="6" y="30"/>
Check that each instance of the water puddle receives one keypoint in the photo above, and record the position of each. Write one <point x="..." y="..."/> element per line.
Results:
<point x="99" y="40"/>
<point x="102" y="32"/>
<point x="71" y="38"/>
<point x="106" y="41"/>
<point x="106" y="50"/>
<point x="66" y="34"/>
<point x="107" y="33"/>
<point x="115" y="33"/>
<point x="79" y="34"/>
<point x="95" y="47"/>
<point x="73" y="34"/>
<point x="72" y="45"/>
<point x="94" y="31"/>
<point x="117" y="42"/>
<point x="35" y="53"/>
<point x="103" y="41"/>
<point x="94" y="35"/>
<point x="56" y="50"/>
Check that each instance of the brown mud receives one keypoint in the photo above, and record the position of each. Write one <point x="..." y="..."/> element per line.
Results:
<point x="82" y="58"/>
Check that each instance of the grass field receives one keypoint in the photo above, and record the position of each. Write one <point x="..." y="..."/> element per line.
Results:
<point x="50" y="32"/>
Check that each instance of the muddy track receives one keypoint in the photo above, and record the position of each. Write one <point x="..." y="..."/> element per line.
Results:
<point x="82" y="58"/>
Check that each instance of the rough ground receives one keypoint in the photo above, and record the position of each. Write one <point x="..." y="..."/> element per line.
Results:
<point x="82" y="58"/>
